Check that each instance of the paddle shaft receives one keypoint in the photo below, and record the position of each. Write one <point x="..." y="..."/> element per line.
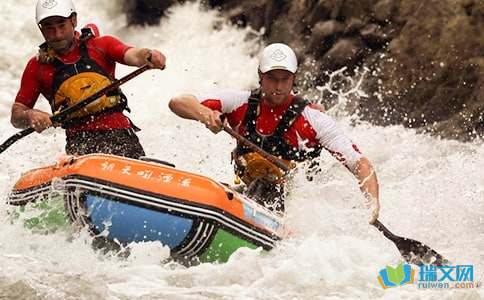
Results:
<point x="386" y="232"/>
<point x="276" y="161"/>
<point x="62" y="115"/>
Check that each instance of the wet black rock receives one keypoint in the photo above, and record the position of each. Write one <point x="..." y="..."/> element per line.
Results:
<point x="145" y="12"/>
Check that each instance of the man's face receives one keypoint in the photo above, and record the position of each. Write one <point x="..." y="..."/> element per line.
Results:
<point x="59" y="32"/>
<point x="276" y="86"/>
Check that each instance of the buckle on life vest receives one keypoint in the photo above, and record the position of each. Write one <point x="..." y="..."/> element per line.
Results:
<point x="252" y="166"/>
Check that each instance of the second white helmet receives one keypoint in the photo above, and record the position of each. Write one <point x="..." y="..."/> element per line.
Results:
<point x="50" y="8"/>
<point x="278" y="56"/>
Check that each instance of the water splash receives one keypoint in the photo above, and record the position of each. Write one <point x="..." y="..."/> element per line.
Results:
<point x="342" y="88"/>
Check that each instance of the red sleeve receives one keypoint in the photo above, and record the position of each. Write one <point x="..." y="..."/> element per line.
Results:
<point x="30" y="86"/>
<point x="113" y="48"/>
<point x="213" y="104"/>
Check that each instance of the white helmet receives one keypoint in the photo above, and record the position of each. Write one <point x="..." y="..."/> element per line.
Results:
<point x="50" y="8"/>
<point x="278" y="56"/>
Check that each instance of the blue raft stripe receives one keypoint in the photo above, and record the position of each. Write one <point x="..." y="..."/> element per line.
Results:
<point x="195" y="240"/>
<point x="129" y="223"/>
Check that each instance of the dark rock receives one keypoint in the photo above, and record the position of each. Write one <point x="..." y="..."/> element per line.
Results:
<point x="145" y="12"/>
<point x="256" y="13"/>
<point x="343" y="53"/>
<point x="466" y="120"/>
<point x="353" y="25"/>
<point x="251" y="13"/>
<point x="323" y="35"/>
<point x="292" y="23"/>
<point x="325" y="29"/>
<point x="324" y="10"/>
<point x="428" y="77"/>
<point x="384" y="10"/>
<point x="360" y="9"/>
<point x="374" y="35"/>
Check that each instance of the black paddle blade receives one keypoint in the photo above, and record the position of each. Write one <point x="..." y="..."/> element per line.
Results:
<point x="411" y="250"/>
<point x="415" y="252"/>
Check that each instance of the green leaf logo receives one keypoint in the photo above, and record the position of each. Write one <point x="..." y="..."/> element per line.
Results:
<point x="396" y="275"/>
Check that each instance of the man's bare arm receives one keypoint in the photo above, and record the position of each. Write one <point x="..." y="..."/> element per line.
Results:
<point x="24" y="117"/>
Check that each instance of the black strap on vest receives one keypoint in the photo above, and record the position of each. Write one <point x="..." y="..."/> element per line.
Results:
<point x="253" y="111"/>
<point x="275" y="144"/>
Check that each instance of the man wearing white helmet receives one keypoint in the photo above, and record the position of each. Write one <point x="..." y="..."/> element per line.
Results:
<point x="282" y="124"/>
<point x="71" y="66"/>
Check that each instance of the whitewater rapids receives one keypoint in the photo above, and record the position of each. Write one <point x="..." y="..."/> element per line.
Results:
<point x="432" y="190"/>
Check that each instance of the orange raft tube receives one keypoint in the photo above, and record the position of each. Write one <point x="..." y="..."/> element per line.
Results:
<point x="148" y="200"/>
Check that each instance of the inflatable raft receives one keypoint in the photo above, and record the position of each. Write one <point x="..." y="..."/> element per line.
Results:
<point x="137" y="200"/>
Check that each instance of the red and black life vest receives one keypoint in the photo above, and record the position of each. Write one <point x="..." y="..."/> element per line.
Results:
<point x="74" y="82"/>
<point x="275" y="143"/>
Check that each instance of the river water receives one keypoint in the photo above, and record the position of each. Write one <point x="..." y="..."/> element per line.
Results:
<point x="432" y="190"/>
